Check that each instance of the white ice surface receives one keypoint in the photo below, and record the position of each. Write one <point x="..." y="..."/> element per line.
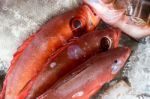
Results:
<point x="121" y="91"/>
<point x="20" y="18"/>
<point x="138" y="70"/>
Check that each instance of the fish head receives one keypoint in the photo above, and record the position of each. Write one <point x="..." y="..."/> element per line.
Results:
<point x="84" y="20"/>
<point x="109" y="38"/>
<point x="91" y="18"/>
<point x="113" y="61"/>
<point x="120" y="58"/>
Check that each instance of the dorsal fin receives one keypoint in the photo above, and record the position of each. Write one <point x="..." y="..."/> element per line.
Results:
<point x="14" y="60"/>
<point x="19" y="52"/>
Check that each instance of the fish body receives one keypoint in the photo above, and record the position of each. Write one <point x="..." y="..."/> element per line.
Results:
<point x="90" y="76"/>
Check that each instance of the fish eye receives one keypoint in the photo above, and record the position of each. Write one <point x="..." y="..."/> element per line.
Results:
<point x="77" y="26"/>
<point x="105" y="44"/>
<point x="116" y="66"/>
<point x="116" y="61"/>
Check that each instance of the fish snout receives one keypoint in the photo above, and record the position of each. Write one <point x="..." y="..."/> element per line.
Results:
<point x="91" y="18"/>
<point x="121" y="55"/>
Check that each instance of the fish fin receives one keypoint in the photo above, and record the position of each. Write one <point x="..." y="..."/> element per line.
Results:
<point x="2" y="94"/>
<point x="19" y="52"/>
<point x="13" y="62"/>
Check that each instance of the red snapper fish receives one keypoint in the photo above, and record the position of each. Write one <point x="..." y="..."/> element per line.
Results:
<point x="90" y="76"/>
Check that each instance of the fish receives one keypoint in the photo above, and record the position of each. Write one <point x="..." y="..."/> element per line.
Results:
<point x="33" y="53"/>
<point x="70" y="56"/>
<point x="89" y="77"/>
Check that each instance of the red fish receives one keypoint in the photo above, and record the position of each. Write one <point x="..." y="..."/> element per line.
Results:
<point x="69" y="57"/>
<point x="86" y="80"/>
<point x="31" y="56"/>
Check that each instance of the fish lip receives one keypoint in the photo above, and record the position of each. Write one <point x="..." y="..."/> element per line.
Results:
<point x="87" y="3"/>
<point x="127" y="54"/>
<point x="129" y="51"/>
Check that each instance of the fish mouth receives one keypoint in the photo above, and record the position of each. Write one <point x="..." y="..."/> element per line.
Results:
<point x="93" y="18"/>
<point x="126" y="55"/>
<point x="88" y="2"/>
